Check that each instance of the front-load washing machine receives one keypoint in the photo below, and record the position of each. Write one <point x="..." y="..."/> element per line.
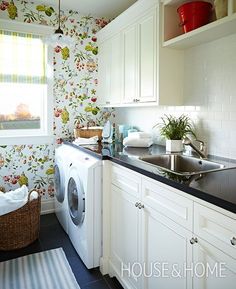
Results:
<point x="62" y="154"/>
<point x="84" y="186"/>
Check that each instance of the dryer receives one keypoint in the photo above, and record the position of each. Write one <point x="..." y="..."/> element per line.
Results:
<point x="84" y="190"/>
<point x="61" y="168"/>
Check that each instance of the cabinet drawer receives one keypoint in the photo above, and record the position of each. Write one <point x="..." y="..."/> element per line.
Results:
<point x="126" y="180"/>
<point x="216" y="228"/>
<point x="168" y="202"/>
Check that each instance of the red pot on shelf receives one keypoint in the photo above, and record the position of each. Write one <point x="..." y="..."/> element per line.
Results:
<point x="194" y="15"/>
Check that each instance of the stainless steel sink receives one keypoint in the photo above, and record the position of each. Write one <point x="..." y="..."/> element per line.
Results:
<point x="184" y="165"/>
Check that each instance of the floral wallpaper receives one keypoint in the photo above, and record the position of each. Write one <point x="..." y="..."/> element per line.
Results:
<point x="31" y="165"/>
<point x="75" y="93"/>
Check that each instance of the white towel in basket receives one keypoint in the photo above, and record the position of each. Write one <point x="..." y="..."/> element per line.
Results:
<point x="14" y="200"/>
<point x="85" y="141"/>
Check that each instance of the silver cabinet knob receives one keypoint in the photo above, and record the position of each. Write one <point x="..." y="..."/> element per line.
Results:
<point x="137" y="204"/>
<point x="233" y="241"/>
<point x="137" y="100"/>
<point x="134" y="100"/>
<point x="193" y="240"/>
<point x="140" y="206"/>
<point x="107" y="102"/>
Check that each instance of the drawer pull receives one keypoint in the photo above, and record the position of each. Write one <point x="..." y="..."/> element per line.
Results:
<point x="137" y="204"/>
<point x="193" y="241"/>
<point x="140" y="206"/>
<point x="233" y="241"/>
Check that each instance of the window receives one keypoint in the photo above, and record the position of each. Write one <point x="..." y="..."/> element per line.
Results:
<point x="24" y="85"/>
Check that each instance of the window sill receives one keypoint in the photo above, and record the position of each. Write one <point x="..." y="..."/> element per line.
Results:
<point x="27" y="140"/>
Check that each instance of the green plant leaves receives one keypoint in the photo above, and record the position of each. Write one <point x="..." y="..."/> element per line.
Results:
<point x="175" y="128"/>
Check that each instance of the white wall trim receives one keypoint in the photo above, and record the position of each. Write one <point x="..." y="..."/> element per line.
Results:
<point x="24" y="140"/>
<point x="104" y="260"/>
<point x="126" y="18"/>
<point x="17" y="26"/>
<point x="47" y="206"/>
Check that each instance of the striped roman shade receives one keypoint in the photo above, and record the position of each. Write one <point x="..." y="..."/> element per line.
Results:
<point x="22" y="58"/>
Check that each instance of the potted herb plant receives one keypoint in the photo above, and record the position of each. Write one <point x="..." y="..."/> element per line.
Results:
<point x="174" y="129"/>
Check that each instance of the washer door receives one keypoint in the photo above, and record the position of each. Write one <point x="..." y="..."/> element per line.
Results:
<point x="76" y="200"/>
<point x="59" y="184"/>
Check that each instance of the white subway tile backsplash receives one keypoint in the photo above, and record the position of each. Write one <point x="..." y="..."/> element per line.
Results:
<point x="233" y="99"/>
<point x="214" y="106"/>
<point x="228" y="125"/>
<point x="228" y="107"/>
<point x="220" y="115"/>
<point x="232" y="116"/>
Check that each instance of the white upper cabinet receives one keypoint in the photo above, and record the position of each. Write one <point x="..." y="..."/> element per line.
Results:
<point x="147" y="74"/>
<point x="116" y="67"/>
<point x="130" y="64"/>
<point x="109" y="72"/>
<point x="147" y="58"/>
<point x="140" y="60"/>
<point x="104" y="73"/>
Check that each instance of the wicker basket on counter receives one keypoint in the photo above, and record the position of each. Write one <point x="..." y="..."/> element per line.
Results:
<point x="88" y="132"/>
<point x="21" y="227"/>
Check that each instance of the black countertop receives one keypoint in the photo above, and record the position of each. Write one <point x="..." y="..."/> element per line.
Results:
<point x="218" y="188"/>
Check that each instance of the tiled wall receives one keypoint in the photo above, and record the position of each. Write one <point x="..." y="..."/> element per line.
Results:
<point x="210" y="97"/>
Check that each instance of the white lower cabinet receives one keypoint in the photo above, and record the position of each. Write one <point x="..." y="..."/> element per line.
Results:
<point x="213" y="269"/>
<point x="125" y="235"/>
<point x="163" y="239"/>
<point x="166" y="251"/>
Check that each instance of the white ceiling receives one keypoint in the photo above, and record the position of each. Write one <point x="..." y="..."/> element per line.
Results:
<point x="100" y="8"/>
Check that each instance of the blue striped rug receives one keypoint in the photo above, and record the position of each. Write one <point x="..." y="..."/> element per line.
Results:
<point x="44" y="270"/>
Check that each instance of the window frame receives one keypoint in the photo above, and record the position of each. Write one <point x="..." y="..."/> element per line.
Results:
<point x="44" y="134"/>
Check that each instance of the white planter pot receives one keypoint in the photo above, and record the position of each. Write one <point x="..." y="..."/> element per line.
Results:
<point x="174" y="146"/>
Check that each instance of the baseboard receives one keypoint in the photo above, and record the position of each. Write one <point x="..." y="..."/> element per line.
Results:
<point x="104" y="263"/>
<point x="114" y="272"/>
<point x="47" y="206"/>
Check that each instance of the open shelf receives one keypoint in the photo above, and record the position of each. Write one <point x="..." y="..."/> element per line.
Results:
<point x="173" y="36"/>
<point x="212" y="31"/>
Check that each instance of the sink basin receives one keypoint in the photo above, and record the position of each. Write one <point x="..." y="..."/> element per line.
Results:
<point x="184" y="165"/>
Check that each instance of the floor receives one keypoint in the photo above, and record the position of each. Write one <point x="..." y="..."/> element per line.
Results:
<point x="53" y="236"/>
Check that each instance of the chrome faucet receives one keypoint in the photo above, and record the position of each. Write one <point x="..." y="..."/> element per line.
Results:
<point x="201" y="152"/>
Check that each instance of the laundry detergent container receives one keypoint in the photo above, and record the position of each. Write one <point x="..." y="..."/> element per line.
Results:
<point x="194" y="14"/>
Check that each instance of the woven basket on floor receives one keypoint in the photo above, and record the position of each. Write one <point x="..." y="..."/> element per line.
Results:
<point x="21" y="227"/>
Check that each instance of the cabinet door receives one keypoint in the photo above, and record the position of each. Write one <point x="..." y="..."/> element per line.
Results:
<point x="166" y="251"/>
<point x="147" y="58"/>
<point x="116" y="67"/>
<point x="124" y="235"/>
<point x="104" y="73"/>
<point x="214" y="268"/>
<point x="130" y="64"/>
